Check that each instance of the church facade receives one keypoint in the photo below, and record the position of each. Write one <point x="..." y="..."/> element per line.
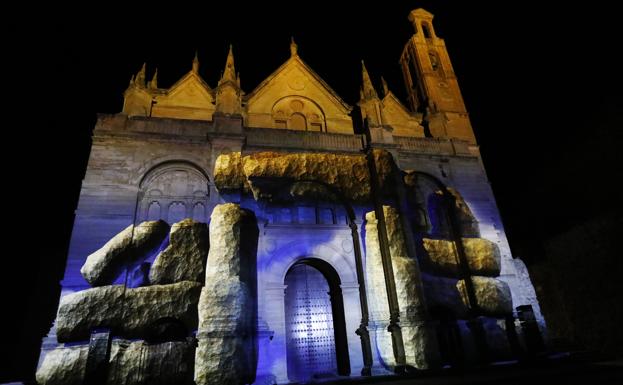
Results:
<point x="225" y="237"/>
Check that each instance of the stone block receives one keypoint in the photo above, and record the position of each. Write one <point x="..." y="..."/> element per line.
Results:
<point x="346" y="173"/>
<point x="418" y="339"/>
<point x="63" y="366"/>
<point x="185" y="257"/>
<point x="130" y="363"/>
<point x="483" y="257"/>
<point x="127" y="312"/>
<point x="137" y="362"/>
<point x="225" y="351"/>
<point x="493" y="297"/>
<point x="444" y="295"/>
<point x="124" y="249"/>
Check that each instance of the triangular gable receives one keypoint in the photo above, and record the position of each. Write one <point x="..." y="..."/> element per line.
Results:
<point x="391" y="102"/>
<point x="291" y="74"/>
<point x="190" y="91"/>
<point x="403" y="121"/>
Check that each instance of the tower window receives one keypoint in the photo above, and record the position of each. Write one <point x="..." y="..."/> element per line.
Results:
<point x="426" y="30"/>
<point x="434" y="60"/>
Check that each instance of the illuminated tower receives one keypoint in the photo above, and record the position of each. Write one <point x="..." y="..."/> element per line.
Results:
<point x="431" y="83"/>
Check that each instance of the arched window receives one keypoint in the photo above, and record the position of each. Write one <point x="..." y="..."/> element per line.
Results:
<point x="199" y="213"/>
<point x="434" y="60"/>
<point x="153" y="214"/>
<point x="172" y="192"/>
<point x="430" y="209"/>
<point x="177" y="212"/>
<point x="298" y="122"/>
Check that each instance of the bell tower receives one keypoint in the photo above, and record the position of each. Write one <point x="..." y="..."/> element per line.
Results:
<point x="432" y="87"/>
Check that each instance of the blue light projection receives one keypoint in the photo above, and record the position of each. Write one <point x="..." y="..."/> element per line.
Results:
<point x="309" y="325"/>
<point x="287" y="243"/>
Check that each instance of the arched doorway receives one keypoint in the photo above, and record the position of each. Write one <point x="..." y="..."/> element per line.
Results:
<point x="315" y="326"/>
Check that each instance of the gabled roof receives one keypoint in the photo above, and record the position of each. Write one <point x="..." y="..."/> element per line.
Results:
<point x="191" y="75"/>
<point x="391" y="97"/>
<point x="296" y="61"/>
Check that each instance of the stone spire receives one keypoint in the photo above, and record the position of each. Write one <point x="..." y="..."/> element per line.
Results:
<point x="196" y="62"/>
<point x="153" y="84"/>
<point x="370" y="104"/>
<point x="368" y="91"/>
<point x="293" y="48"/>
<point x="229" y="73"/>
<point x="228" y="93"/>
<point x="385" y="87"/>
<point x="137" y="97"/>
<point x="140" y="76"/>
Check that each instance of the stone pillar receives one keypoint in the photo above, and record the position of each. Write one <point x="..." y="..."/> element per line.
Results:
<point x="418" y="334"/>
<point x="362" y="331"/>
<point x="350" y="296"/>
<point x="226" y="351"/>
<point x="378" y="303"/>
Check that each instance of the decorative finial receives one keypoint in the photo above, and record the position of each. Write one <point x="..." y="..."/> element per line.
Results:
<point x="140" y="76"/>
<point x="385" y="87"/>
<point x="196" y="62"/>
<point x="293" y="47"/>
<point x="229" y="73"/>
<point x="153" y="84"/>
<point x="368" y="88"/>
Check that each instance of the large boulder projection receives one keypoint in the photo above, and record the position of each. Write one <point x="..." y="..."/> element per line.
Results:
<point x="103" y="266"/>
<point x="418" y="336"/>
<point x="127" y="312"/>
<point x="129" y="363"/>
<point x="185" y="257"/>
<point x="225" y="350"/>
<point x="345" y="173"/>
<point x="483" y="257"/>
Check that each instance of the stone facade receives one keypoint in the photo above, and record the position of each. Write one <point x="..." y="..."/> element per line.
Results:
<point x="328" y="253"/>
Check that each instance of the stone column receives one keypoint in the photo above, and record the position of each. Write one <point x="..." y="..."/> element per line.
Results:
<point x="350" y="296"/>
<point x="378" y="304"/>
<point x="362" y="330"/>
<point x="418" y="334"/>
<point x="226" y="351"/>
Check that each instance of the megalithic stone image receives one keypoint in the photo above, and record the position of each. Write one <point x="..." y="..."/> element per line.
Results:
<point x="274" y="233"/>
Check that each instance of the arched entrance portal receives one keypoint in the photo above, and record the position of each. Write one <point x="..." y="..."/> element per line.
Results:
<point x="315" y="327"/>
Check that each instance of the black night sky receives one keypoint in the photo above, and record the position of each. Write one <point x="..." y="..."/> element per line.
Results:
<point x="542" y="86"/>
